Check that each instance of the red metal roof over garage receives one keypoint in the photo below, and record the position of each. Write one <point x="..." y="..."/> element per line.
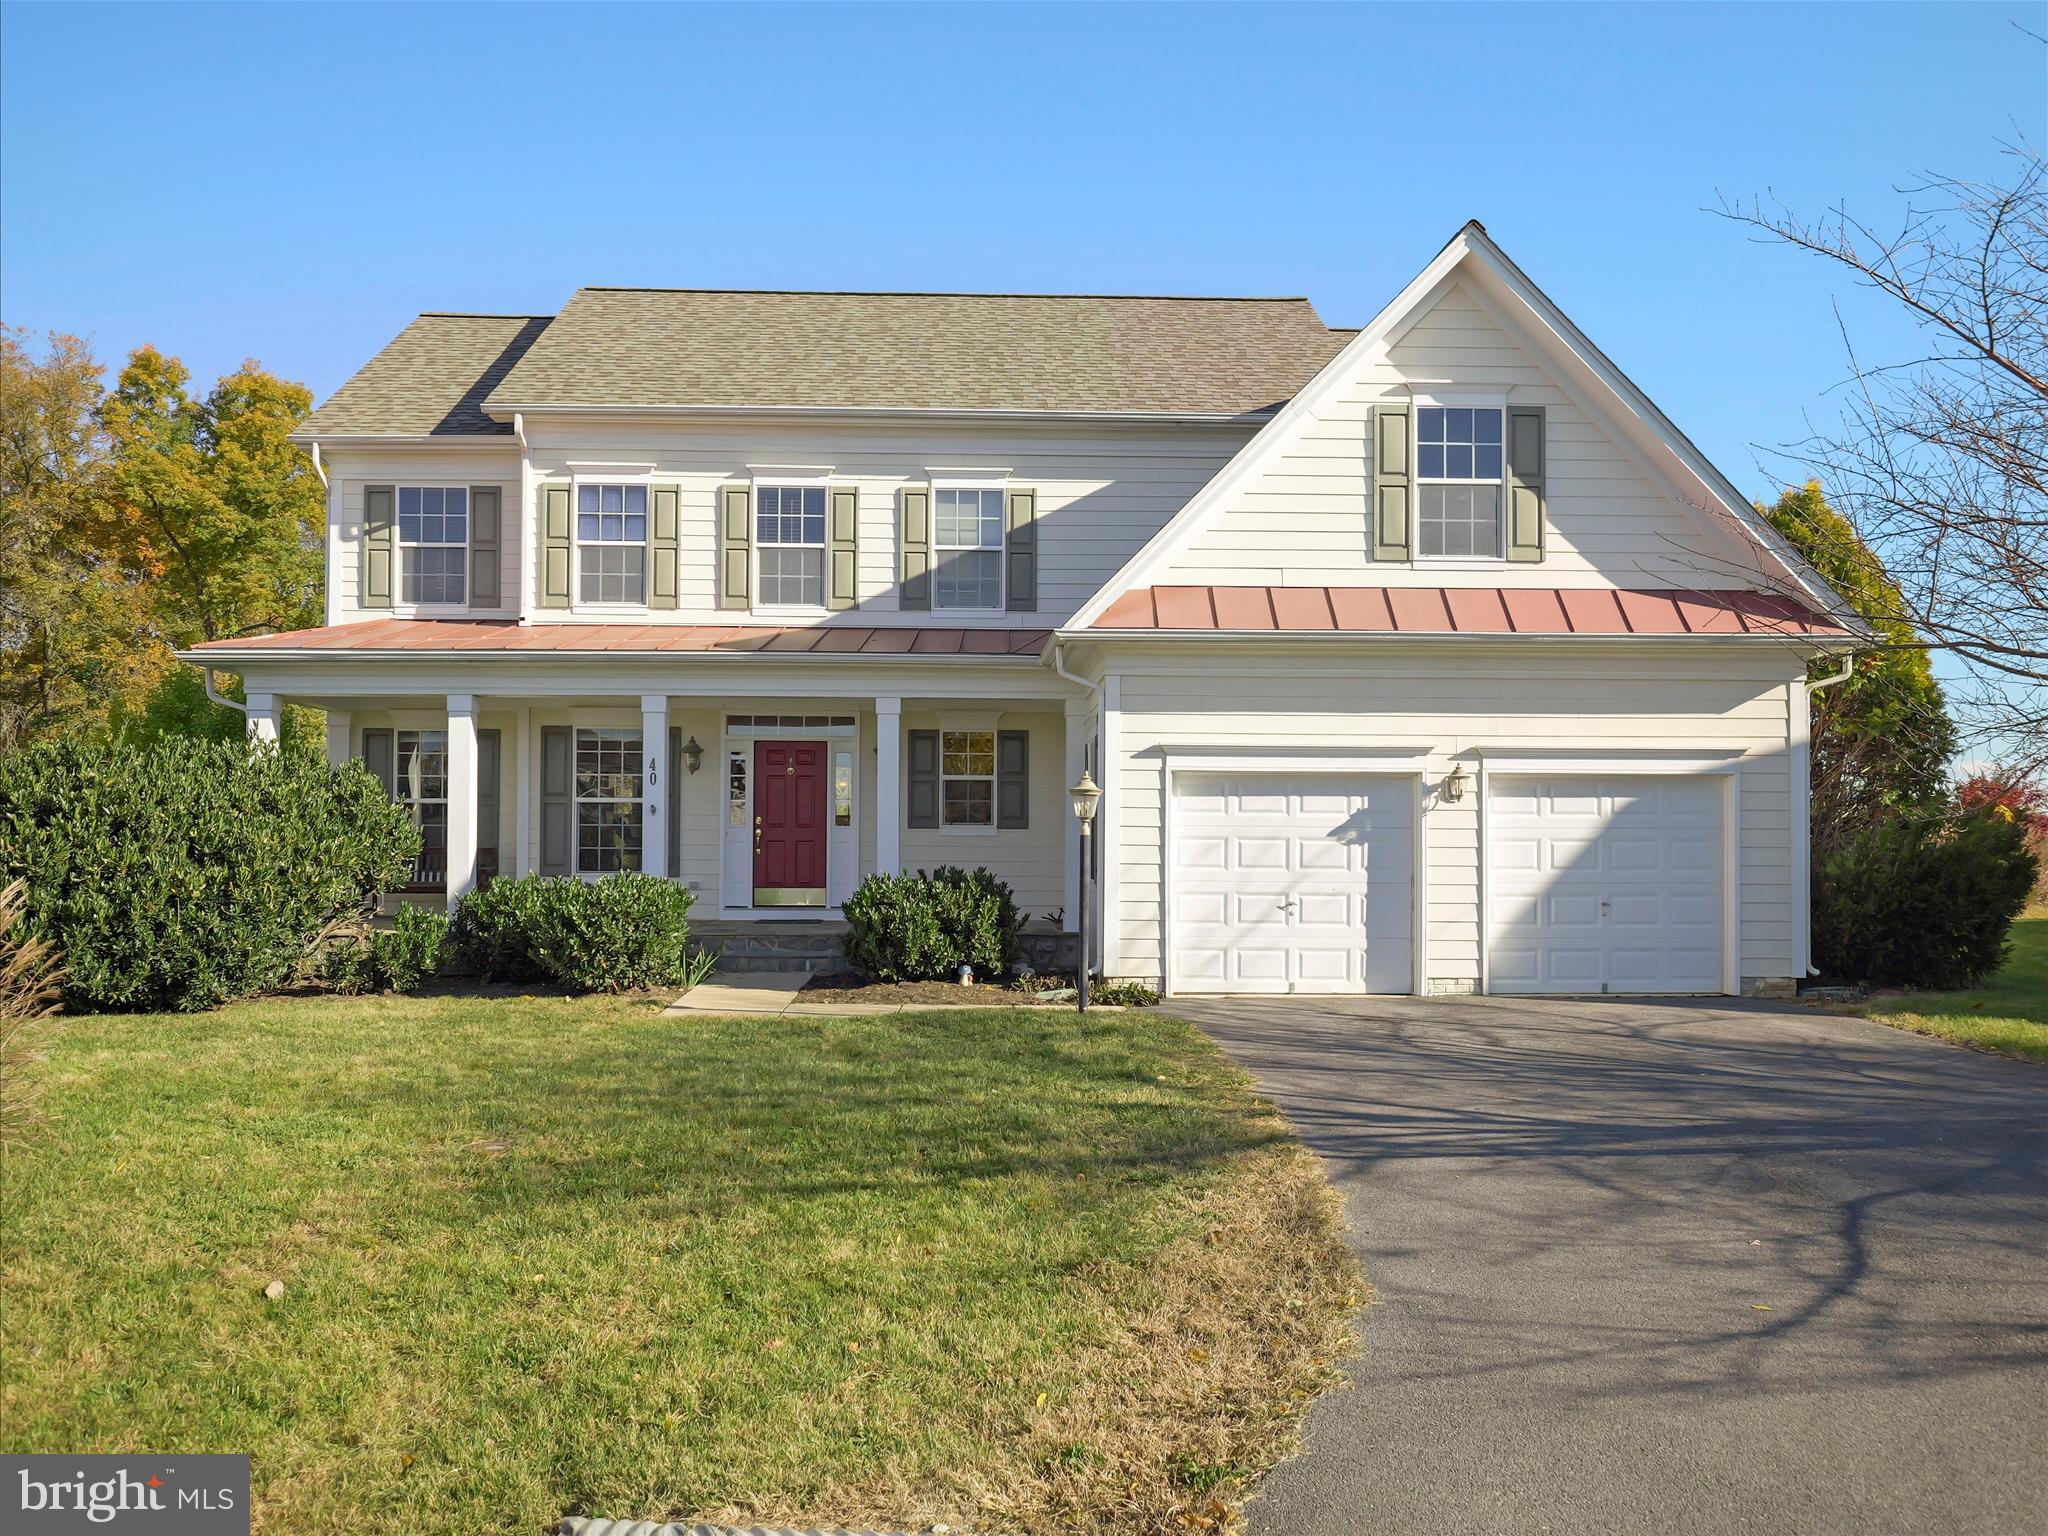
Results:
<point x="1464" y="611"/>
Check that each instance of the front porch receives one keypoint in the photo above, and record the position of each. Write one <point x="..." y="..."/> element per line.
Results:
<point x="770" y="809"/>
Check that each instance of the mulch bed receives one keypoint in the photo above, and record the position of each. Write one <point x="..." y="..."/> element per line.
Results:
<point x="845" y="987"/>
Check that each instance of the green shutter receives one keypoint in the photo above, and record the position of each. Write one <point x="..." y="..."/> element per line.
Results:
<point x="557" y="524"/>
<point x="1526" y="466"/>
<point x="1021" y="551"/>
<point x="486" y="530"/>
<point x="380" y="545"/>
<point x="916" y="529"/>
<point x="843" y="536"/>
<point x="1013" y="778"/>
<point x="735" y="546"/>
<point x="489" y="761"/>
<point x="557" y="811"/>
<point x="664" y="547"/>
<point x="379" y="758"/>
<point x="1393" y="478"/>
<point x="923" y="779"/>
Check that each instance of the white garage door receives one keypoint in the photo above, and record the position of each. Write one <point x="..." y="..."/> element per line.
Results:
<point x="1604" y="884"/>
<point x="1292" y="883"/>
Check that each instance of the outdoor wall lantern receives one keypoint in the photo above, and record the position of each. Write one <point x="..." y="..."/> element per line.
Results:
<point x="1454" y="786"/>
<point x="693" y="755"/>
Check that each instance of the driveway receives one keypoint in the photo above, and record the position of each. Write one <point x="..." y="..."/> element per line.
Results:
<point x="1668" y="1267"/>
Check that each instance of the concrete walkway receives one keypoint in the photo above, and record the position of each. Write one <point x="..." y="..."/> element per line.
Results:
<point x="1683" y="1268"/>
<point x="775" y="994"/>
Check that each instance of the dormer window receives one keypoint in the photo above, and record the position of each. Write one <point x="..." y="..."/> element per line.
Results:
<point x="611" y="540"/>
<point x="1458" y="473"/>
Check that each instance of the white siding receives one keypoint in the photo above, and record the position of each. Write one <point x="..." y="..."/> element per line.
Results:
<point x="1498" y="702"/>
<point x="1032" y="860"/>
<point x="349" y="470"/>
<point x="1303" y="522"/>
<point x="1102" y="492"/>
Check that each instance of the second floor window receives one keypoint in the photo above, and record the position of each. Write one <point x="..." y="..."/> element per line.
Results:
<point x="433" y="543"/>
<point x="967" y="549"/>
<point x="1458" y="480"/>
<point x="789" y="528"/>
<point x="611" y="538"/>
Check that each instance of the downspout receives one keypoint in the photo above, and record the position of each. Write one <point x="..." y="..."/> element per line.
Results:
<point x="1805" y="871"/>
<point x="214" y="695"/>
<point x="319" y="468"/>
<point x="1094" y="690"/>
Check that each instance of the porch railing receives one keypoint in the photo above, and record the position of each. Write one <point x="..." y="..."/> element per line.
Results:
<point x="429" y="871"/>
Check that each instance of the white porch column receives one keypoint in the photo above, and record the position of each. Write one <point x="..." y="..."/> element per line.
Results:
<point x="1080" y="726"/>
<point x="522" y="791"/>
<point x="654" y="784"/>
<point x="338" y="742"/>
<point x="889" y="786"/>
<point x="461" y="794"/>
<point x="264" y="714"/>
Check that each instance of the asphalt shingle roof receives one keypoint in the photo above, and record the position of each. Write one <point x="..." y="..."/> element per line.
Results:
<point x="877" y="351"/>
<point x="431" y="380"/>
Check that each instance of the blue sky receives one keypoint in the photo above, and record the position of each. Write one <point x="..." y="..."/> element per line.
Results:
<point x="293" y="182"/>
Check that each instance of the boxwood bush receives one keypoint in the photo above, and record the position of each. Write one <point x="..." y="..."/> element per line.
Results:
<point x="1922" y="903"/>
<point x="922" y="927"/>
<point x="182" y="873"/>
<point x="626" y="932"/>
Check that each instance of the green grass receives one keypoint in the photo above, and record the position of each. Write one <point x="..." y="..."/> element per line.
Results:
<point x="2008" y="1014"/>
<point x="1006" y="1269"/>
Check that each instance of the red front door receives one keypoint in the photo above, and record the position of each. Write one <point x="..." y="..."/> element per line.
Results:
<point x="789" y="824"/>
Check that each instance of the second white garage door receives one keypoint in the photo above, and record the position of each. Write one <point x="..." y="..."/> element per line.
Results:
<point x="1298" y="883"/>
<point x="1608" y="883"/>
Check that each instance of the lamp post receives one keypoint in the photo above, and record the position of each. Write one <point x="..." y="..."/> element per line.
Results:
<point x="1086" y="796"/>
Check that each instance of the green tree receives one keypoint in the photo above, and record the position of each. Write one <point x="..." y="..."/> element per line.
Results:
<point x="68" y="616"/>
<point x="1883" y="739"/>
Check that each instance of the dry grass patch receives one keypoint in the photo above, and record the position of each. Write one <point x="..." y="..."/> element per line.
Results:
<point x="1013" y="1270"/>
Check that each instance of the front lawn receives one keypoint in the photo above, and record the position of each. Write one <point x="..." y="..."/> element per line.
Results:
<point x="1007" y="1270"/>
<point x="2008" y="1014"/>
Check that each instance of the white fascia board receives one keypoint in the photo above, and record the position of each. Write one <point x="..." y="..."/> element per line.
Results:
<point x="628" y="411"/>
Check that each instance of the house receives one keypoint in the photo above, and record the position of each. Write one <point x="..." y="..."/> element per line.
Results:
<point x="1427" y="657"/>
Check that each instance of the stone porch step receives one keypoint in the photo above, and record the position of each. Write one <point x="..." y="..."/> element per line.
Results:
<point x="798" y="944"/>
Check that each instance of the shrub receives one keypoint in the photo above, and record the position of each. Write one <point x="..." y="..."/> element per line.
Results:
<point x="182" y="873"/>
<point x="1125" y="994"/>
<point x="923" y="927"/>
<point x="410" y="950"/>
<point x="494" y="925"/>
<point x="30" y="985"/>
<point x="1922" y="903"/>
<point x="625" y="932"/>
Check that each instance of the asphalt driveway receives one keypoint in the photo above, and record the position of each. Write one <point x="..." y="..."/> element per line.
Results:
<point x="1668" y="1268"/>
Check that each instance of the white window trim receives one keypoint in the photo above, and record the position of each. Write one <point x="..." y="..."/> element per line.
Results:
<point x="600" y="475"/>
<point x="1460" y="400"/>
<point x="398" y="604"/>
<point x="994" y="778"/>
<point x="799" y="478"/>
<point x="994" y="480"/>
<point x="577" y="799"/>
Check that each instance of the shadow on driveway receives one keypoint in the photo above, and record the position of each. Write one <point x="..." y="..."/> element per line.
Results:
<point x="1668" y="1267"/>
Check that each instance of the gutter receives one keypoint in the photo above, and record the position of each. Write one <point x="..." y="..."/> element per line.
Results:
<point x="1396" y="636"/>
<point x="536" y="653"/>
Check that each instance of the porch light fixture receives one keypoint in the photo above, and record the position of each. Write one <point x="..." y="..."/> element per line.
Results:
<point x="693" y="755"/>
<point x="1086" y="797"/>
<point x="1454" y="786"/>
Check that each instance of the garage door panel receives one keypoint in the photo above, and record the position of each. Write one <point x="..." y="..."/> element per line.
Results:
<point x="1604" y="883"/>
<point x="1298" y="882"/>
